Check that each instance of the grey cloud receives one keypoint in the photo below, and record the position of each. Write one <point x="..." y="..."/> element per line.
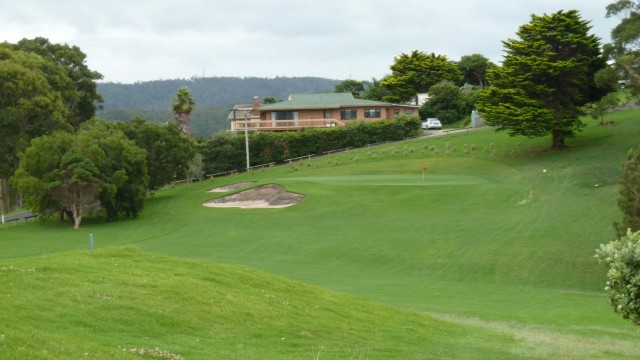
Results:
<point x="129" y="40"/>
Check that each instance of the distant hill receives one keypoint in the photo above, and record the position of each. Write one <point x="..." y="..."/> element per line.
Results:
<point x="213" y="96"/>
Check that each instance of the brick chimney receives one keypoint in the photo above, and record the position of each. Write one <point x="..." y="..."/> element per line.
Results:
<point x="256" y="102"/>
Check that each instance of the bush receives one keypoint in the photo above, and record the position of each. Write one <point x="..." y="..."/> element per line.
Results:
<point x="622" y="256"/>
<point x="225" y="152"/>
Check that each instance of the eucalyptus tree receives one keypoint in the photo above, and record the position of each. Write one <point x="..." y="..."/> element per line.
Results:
<point x="182" y="106"/>
<point x="625" y="46"/>
<point x="55" y="175"/>
<point x="29" y="105"/>
<point x="547" y="75"/>
<point x="78" y="172"/>
<point x="44" y="87"/>
<point x="68" y="74"/>
<point x="168" y="152"/>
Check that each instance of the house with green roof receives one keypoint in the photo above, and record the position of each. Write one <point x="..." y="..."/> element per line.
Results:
<point x="319" y="110"/>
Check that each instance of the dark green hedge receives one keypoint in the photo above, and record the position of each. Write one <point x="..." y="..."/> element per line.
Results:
<point x="226" y="152"/>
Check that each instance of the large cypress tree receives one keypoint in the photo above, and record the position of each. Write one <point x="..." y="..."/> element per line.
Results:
<point x="546" y="77"/>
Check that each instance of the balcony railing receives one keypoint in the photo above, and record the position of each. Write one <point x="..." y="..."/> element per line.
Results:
<point x="283" y="125"/>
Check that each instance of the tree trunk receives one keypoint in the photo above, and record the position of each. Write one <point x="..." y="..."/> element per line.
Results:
<point x="70" y="217"/>
<point x="184" y="123"/>
<point x="77" y="217"/>
<point x="5" y="203"/>
<point x="558" y="140"/>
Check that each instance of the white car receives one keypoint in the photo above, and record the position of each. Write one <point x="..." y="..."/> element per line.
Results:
<point x="431" y="123"/>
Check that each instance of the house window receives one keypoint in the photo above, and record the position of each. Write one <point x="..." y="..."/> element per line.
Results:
<point x="284" y="115"/>
<point x="371" y="113"/>
<point x="328" y="114"/>
<point x="348" y="114"/>
<point x="396" y="112"/>
<point x="408" y="111"/>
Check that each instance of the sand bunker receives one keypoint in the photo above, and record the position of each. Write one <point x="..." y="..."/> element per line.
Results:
<point x="266" y="196"/>
<point x="231" y="187"/>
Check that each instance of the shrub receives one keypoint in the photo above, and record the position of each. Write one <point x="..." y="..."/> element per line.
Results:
<point x="622" y="256"/>
<point x="226" y="152"/>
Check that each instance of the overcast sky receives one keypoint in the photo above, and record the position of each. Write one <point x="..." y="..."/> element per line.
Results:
<point x="131" y="40"/>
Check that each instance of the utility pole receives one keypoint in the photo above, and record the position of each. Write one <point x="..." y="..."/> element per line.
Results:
<point x="246" y="130"/>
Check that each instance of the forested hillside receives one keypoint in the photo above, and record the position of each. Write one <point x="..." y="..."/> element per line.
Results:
<point x="213" y="96"/>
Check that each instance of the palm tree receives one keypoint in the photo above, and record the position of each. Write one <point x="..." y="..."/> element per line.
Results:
<point x="182" y="105"/>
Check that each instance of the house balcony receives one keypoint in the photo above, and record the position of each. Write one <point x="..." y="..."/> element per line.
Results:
<point x="285" y="125"/>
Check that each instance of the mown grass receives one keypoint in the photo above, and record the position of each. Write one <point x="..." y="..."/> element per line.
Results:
<point x="105" y="304"/>
<point x="487" y="240"/>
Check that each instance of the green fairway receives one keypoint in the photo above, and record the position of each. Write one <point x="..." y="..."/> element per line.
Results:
<point x="391" y="180"/>
<point x="497" y="236"/>
<point x="122" y="302"/>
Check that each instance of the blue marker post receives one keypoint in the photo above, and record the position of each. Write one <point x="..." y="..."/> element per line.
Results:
<point x="91" y="242"/>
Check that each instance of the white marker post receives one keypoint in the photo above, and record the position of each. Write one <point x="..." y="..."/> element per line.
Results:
<point x="91" y="242"/>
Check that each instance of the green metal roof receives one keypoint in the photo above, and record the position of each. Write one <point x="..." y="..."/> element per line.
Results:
<point x="321" y="101"/>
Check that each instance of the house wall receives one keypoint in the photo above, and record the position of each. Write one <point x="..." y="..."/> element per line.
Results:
<point x="311" y="114"/>
<point x="385" y="113"/>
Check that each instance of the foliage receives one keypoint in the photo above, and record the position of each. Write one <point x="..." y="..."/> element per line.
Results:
<point x="76" y="188"/>
<point x="355" y="87"/>
<point x="625" y="39"/>
<point x="622" y="257"/>
<point x="122" y="166"/>
<point x="55" y="174"/>
<point x="545" y="79"/>
<point x="182" y="106"/>
<point x="44" y="87"/>
<point x="215" y="95"/>
<point x="36" y="176"/>
<point x="375" y="91"/>
<point x="74" y="81"/>
<point x="449" y="103"/>
<point x="474" y="69"/>
<point x="270" y="100"/>
<point x="29" y="105"/>
<point x="167" y="151"/>
<point x="226" y="152"/>
<point x="629" y="195"/>
<point x="205" y="120"/>
<point x="66" y="172"/>
<point x="195" y="169"/>
<point x="415" y="73"/>
<point x="446" y="102"/>
<point x="599" y="109"/>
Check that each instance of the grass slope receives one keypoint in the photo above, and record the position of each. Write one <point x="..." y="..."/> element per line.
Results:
<point x="114" y="302"/>
<point x="488" y="239"/>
